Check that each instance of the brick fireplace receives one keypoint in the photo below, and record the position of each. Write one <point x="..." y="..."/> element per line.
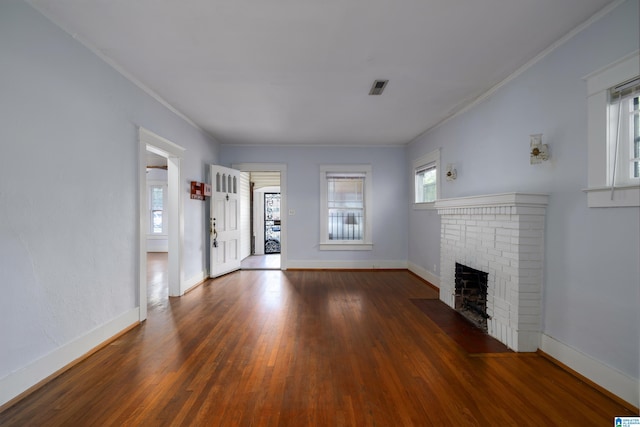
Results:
<point x="503" y="236"/>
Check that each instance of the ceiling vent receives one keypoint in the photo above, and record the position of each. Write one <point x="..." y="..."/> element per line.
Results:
<point x="378" y="86"/>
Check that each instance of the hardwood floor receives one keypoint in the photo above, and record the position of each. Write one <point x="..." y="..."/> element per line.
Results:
<point x="302" y="348"/>
<point x="261" y="262"/>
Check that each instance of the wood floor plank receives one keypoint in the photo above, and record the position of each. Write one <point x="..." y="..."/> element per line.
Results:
<point x="325" y="348"/>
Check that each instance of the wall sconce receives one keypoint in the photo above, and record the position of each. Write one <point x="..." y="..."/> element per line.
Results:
<point x="539" y="151"/>
<point x="450" y="172"/>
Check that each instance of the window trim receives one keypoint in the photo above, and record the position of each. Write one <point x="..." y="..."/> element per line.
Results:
<point x="420" y="163"/>
<point x="598" y="84"/>
<point x="346" y="245"/>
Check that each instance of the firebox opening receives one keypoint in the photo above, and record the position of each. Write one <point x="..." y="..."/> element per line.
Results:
<point x="471" y="294"/>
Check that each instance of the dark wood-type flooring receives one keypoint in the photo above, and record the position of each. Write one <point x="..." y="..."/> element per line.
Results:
<point x="468" y="336"/>
<point x="306" y="348"/>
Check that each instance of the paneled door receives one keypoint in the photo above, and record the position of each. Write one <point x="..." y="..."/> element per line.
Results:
<point x="225" y="220"/>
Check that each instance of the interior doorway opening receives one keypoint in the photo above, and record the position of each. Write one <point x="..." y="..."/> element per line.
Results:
<point x="157" y="194"/>
<point x="172" y="217"/>
<point x="262" y="230"/>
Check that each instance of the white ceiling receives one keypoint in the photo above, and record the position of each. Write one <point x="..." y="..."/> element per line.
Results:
<point x="299" y="71"/>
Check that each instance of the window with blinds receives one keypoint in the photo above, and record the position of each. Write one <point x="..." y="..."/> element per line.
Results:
<point x="157" y="212"/>
<point x="346" y="207"/>
<point x="345" y="203"/>
<point x="426" y="187"/>
<point x="613" y="134"/>
<point x="623" y="134"/>
<point x="426" y="179"/>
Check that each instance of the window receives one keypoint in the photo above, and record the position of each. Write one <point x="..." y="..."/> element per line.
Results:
<point x="345" y="219"/>
<point x="614" y="135"/>
<point x="157" y="204"/>
<point x="425" y="180"/>
<point x="623" y="136"/>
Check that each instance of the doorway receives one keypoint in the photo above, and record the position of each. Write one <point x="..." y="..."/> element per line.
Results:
<point x="157" y="193"/>
<point x="264" y="225"/>
<point x="152" y="144"/>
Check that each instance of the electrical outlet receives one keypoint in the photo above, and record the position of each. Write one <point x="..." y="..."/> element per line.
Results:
<point x="435" y="268"/>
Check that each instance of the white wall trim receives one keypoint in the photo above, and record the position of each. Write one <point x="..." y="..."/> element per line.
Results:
<point x="348" y="265"/>
<point x="605" y="376"/>
<point x="195" y="280"/>
<point x="468" y="106"/>
<point x="26" y="377"/>
<point x="425" y="274"/>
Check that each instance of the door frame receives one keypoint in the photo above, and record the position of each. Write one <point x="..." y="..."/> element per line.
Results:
<point x="149" y="141"/>
<point x="284" y="213"/>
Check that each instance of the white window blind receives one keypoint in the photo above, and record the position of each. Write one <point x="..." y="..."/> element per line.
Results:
<point x="345" y="197"/>
<point x="425" y="183"/>
<point x="623" y="139"/>
<point x="346" y="207"/>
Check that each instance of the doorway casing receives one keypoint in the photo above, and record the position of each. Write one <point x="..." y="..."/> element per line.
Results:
<point x="148" y="141"/>
<point x="274" y="167"/>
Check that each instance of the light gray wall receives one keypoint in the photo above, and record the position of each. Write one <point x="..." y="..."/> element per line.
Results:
<point x="69" y="226"/>
<point x="390" y="198"/>
<point x="592" y="277"/>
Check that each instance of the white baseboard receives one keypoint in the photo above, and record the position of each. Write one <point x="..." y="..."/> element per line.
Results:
<point x="346" y="265"/>
<point x="194" y="281"/>
<point x="425" y="274"/>
<point x="26" y="377"/>
<point x="612" y="380"/>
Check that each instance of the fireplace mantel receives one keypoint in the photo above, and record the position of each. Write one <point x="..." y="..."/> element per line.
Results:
<point x="494" y="201"/>
<point x="503" y="235"/>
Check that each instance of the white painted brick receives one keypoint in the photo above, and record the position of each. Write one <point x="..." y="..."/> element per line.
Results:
<point x="530" y="302"/>
<point x="530" y="288"/>
<point x="507" y="269"/>
<point x="529" y="249"/>
<point x="533" y="311"/>
<point x="533" y="241"/>
<point x="494" y="252"/>
<point x="514" y="339"/>
<point x="503" y="246"/>
<point x="531" y="266"/>
<point x="507" y="242"/>
<point x="503" y="232"/>
<point x="533" y="273"/>
<point x="504" y="239"/>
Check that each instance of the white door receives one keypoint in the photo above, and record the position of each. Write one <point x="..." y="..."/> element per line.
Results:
<point x="225" y="220"/>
